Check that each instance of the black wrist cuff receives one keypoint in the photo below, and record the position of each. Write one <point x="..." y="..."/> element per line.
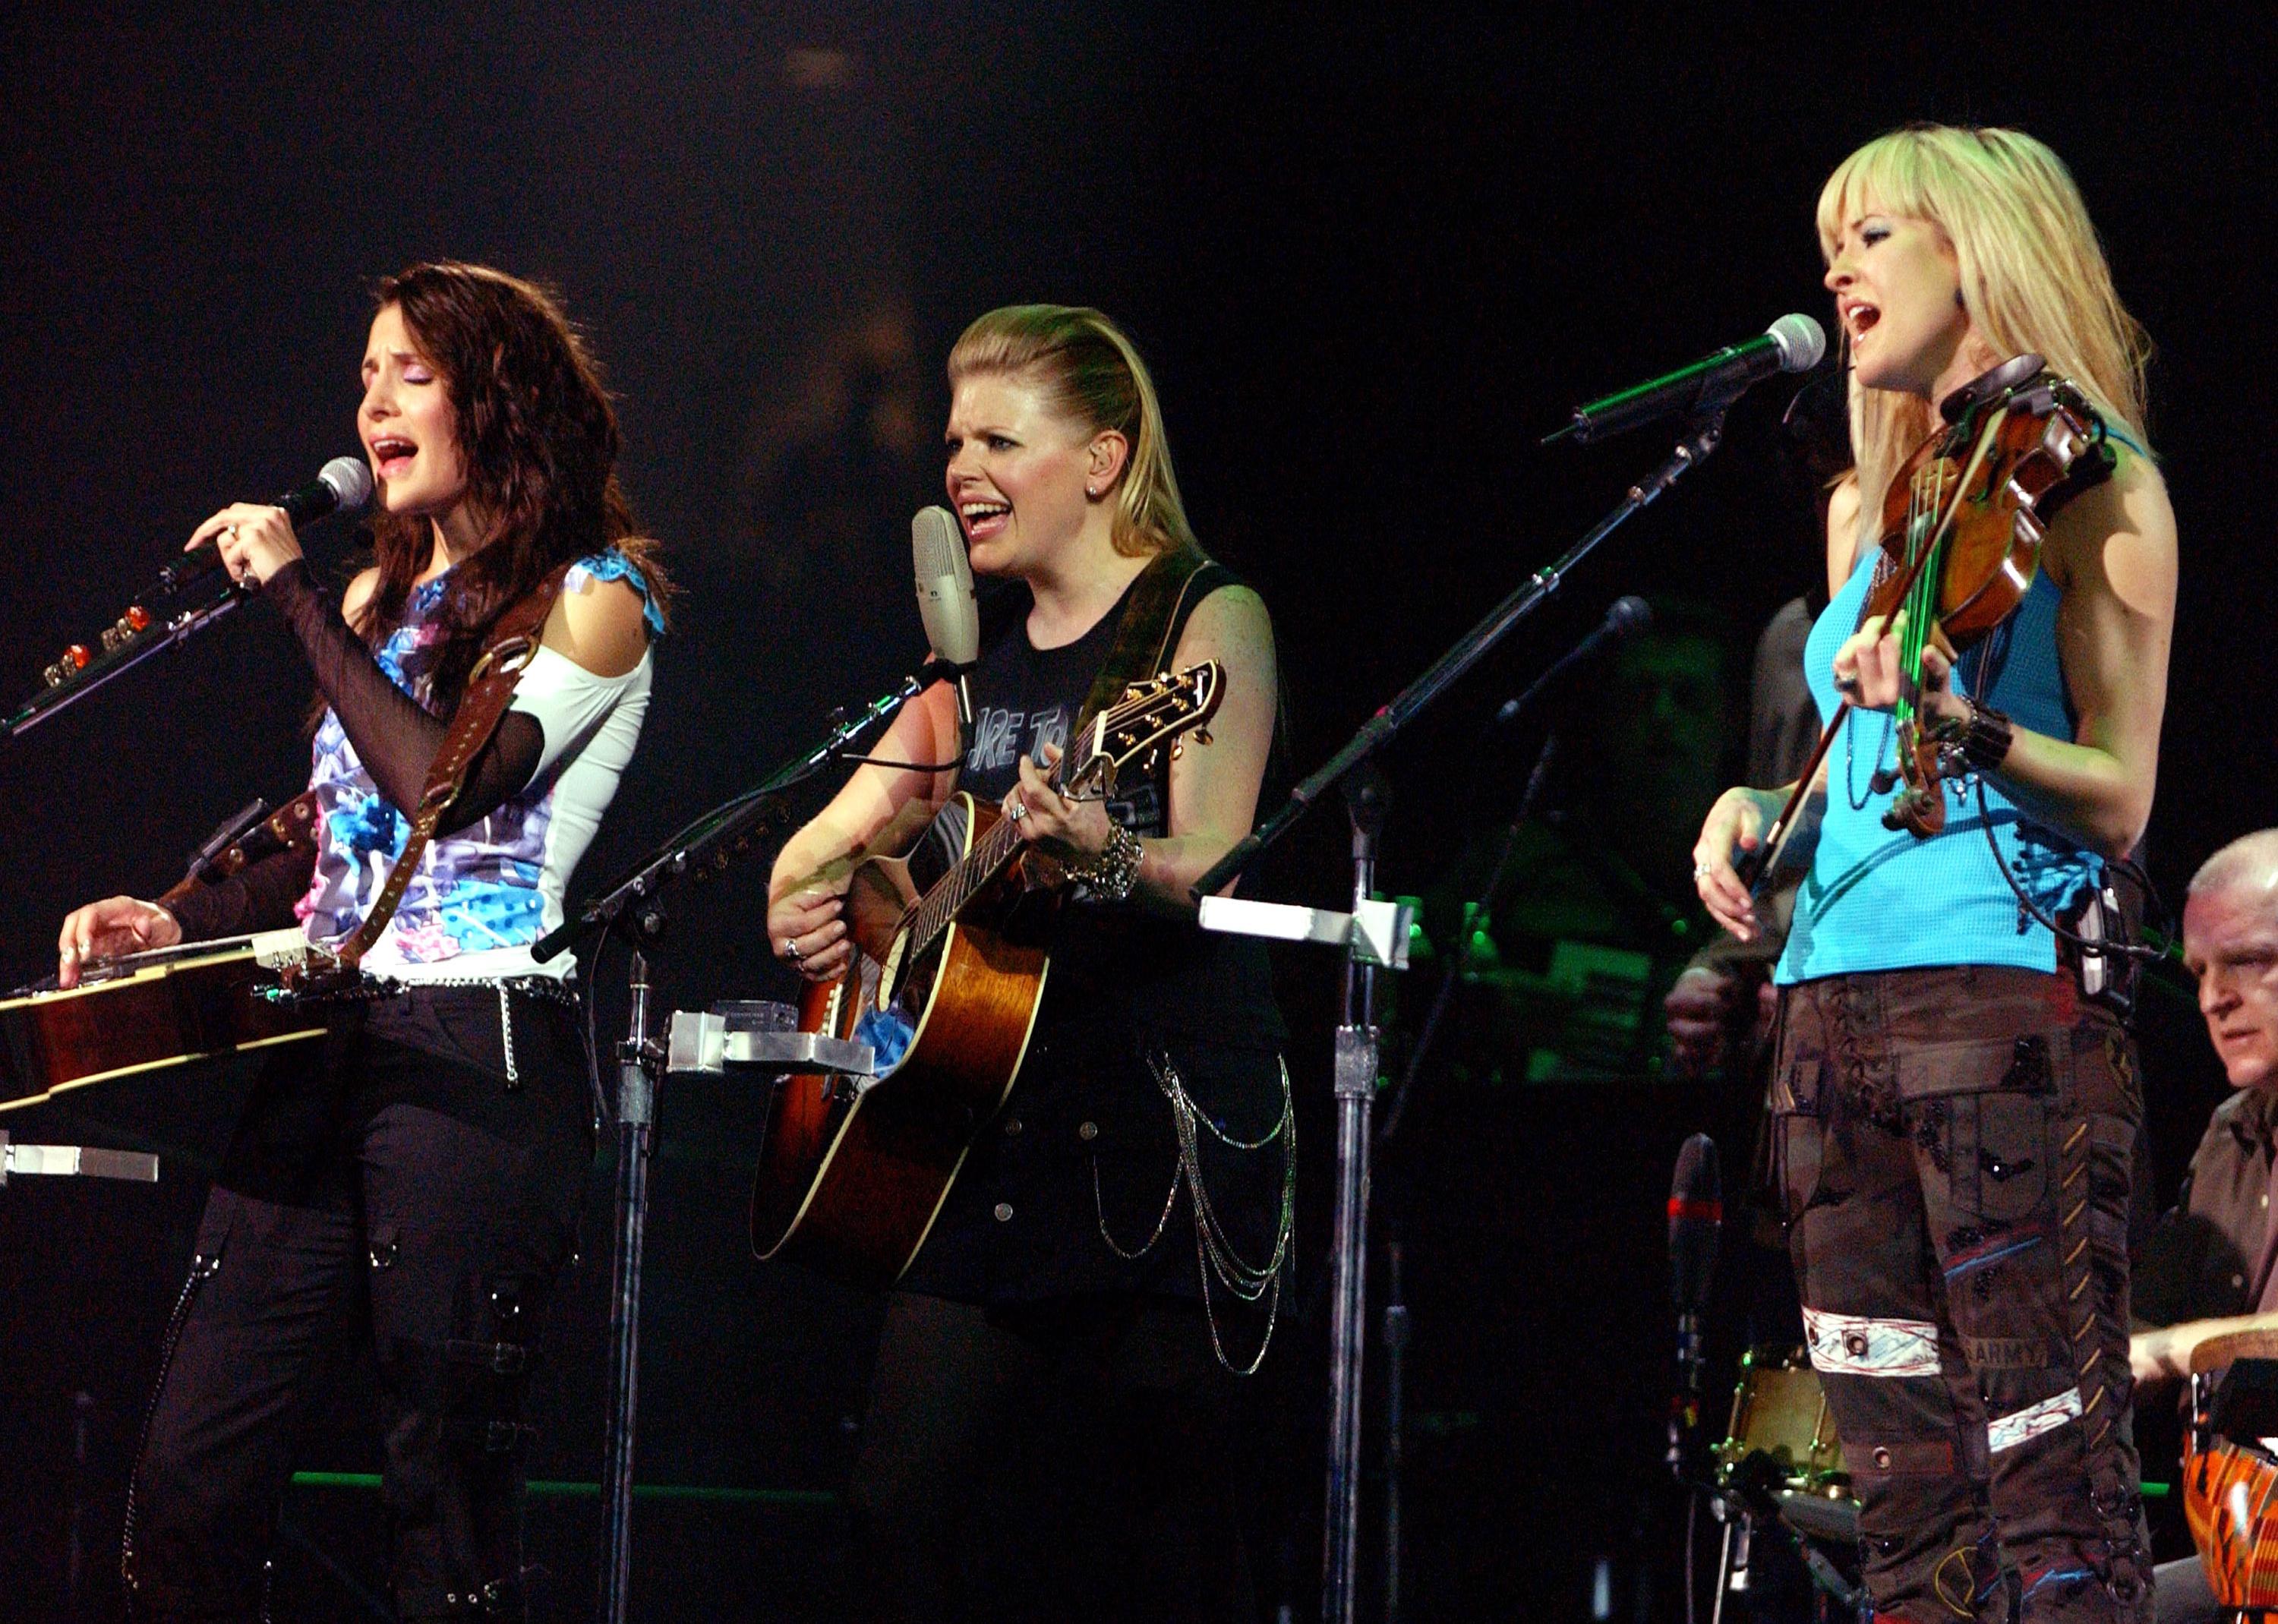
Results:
<point x="1985" y="742"/>
<point x="1979" y="745"/>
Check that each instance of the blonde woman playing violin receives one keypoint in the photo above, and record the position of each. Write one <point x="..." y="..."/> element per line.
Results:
<point x="1954" y="1113"/>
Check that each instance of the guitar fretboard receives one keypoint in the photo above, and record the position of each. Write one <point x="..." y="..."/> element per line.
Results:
<point x="966" y="880"/>
<point x="1148" y="714"/>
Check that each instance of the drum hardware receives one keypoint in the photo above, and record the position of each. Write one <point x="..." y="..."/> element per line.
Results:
<point x="1781" y="1467"/>
<point x="1780" y="1410"/>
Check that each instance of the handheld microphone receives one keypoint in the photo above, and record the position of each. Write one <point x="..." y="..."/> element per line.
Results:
<point x="342" y="484"/>
<point x="1628" y="615"/>
<point x="1696" y="1217"/>
<point x="946" y="603"/>
<point x="1792" y="344"/>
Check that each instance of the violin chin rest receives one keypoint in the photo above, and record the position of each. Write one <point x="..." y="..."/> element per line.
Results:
<point x="1989" y="385"/>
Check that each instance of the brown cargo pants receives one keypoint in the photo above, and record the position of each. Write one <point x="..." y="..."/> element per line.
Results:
<point x="1953" y="1152"/>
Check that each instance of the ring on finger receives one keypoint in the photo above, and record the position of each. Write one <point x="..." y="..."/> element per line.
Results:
<point x="1701" y="871"/>
<point x="791" y="948"/>
<point x="1846" y="685"/>
<point x="1014" y="809"/>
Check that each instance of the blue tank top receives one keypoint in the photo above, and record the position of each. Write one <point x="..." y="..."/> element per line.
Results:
<point x="1878" y="899"/>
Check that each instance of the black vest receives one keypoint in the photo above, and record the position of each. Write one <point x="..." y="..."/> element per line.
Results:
<point x="1111" y="963"/>
<point x="1086" y="1139"/>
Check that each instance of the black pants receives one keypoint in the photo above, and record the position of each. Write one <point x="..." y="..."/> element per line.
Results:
<point x="387" y="1177"/>
<point x="1955" y="1149"/>
<point x="1075" y="1460"/>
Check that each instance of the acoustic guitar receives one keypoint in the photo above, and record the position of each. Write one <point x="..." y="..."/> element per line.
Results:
<point x="146" y="1011"/>
<point x="171" y="1005"/>
<point x="952" y="952"/>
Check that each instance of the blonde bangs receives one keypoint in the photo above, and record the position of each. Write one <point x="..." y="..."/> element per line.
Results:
<point x="1887" y="171"/>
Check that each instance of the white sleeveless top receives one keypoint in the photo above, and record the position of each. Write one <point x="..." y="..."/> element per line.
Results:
<point x="484" y="894"/>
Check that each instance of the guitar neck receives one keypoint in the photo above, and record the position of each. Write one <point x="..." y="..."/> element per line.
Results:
<point x="990" y="855"/>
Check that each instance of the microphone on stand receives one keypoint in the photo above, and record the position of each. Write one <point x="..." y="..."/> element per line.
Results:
<point x="946" y="603"/>
<point x="1696" y="1217"/>
<point x="342" y="484"/>
<point x="1792" y="344"/>
<point x="1626" y="617"/>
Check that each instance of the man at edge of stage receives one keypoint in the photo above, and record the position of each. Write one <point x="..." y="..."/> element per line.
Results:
<point x="2212" y="1266"/>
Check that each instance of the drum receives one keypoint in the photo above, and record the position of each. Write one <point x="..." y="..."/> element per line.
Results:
<point x="2230" y="1484"/>
<point x="1778" y="1411"/>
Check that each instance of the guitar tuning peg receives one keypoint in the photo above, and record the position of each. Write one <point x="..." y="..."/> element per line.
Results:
<point x="1178" y="750"/>
<point x="1202" y="736"/>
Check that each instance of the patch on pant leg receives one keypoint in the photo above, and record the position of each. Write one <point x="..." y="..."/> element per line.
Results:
<point x="2007" y="1431"/>
<point x="2006" y="1353"/>
<point x="1852" y="1345"/>
<point x="1968" y="1580"/>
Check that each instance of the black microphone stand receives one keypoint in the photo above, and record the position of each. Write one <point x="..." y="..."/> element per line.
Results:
<point x="1358" y="1038"/>
<point x="174" y="615"/>
<point x="124" y="647"/>
<point x="1398" y="1325"/>
<point x="633" y="910"/>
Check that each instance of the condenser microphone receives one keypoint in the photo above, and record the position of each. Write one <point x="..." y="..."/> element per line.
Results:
<point x="342" y="486"/>
<point x="945" y="600"/>
<point x="1792" y="344"/>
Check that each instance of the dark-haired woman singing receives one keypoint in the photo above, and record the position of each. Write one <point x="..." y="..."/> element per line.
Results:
<point x="420" y="1167"/>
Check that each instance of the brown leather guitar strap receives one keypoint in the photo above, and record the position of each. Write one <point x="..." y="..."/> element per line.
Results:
<point x="1150" y="621"/>
<point x="490" y="688"/>
<point x="290" y="825"/>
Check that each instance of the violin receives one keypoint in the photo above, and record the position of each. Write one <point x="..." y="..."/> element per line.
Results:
<point x="1962" y="525"/>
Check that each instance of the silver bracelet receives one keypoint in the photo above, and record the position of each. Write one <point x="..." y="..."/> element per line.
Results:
<point x="1112" y="874"/>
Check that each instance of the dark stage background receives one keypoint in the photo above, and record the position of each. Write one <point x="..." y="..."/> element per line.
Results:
<point x="1372" y="262"/>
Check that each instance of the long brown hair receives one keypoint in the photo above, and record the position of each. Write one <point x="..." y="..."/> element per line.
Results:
<point x="539" y="439"/>
<point x="1091" y="373"/>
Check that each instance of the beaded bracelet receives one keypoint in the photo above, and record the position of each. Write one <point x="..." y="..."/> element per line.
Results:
<point x="1110" y="874"/>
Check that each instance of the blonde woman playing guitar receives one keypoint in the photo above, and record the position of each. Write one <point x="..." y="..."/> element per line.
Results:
<point x="1053" y="1417"/>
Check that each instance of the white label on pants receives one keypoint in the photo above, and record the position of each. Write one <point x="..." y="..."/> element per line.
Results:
<point x="2008" y="1431"/>
<point x="1852" y="1345"/>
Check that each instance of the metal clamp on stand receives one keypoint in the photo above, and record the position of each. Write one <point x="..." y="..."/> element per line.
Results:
<point x="728" y="1039"/>
<point x="74" y="1161"/>
<point x="1376" y="933"/>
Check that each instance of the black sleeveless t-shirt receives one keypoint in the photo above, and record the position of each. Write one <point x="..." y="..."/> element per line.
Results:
<point x="1087" y="1141"/>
